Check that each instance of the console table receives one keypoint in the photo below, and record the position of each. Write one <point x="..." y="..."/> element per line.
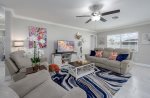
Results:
<point x="62" y="59"/>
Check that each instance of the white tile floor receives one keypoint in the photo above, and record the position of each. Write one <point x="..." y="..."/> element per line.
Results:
<point x="137" y="87"/>
<point x="2" y="72"/>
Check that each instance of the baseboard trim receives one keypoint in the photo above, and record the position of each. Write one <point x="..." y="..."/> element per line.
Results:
<point x="141" y="64"/>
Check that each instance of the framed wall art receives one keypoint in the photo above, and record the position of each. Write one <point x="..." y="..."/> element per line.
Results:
<point x="39" y="35"/>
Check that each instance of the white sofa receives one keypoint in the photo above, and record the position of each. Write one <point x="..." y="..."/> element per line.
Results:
<point x="39" y="85"/>
<point x="122" y="67"/>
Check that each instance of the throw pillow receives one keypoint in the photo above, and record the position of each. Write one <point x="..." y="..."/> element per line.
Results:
<point x="99" y="54"/>
<point x="20" y="60"/>
<point x="122" y="57"/>
<point x="93" y="53"/>
<point x="113" y="56"/>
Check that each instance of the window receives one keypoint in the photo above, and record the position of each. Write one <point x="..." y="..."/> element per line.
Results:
<point x="127" y="40"/>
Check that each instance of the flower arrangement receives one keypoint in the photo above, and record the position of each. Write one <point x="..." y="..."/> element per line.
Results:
<point x="35" y="54"/>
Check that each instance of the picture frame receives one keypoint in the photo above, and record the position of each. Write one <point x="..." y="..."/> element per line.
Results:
<point x="145" y="38"/>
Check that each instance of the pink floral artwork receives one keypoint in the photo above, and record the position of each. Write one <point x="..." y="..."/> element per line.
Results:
<point x="39" y="35"/>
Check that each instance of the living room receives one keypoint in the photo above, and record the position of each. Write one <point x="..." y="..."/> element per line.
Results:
<point x="80" y="43"/>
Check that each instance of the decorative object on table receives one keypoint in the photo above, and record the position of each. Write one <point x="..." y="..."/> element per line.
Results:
<point x="35" y="59"/>
<point x="35" y="54"/>
<point x="18" y="44"/>
<point x="80" y="43"/>
<point x="101" y="84"/>
<point x="54" y="68"/>
<point x="145" y="38"/>
<point x="39" y="35"/>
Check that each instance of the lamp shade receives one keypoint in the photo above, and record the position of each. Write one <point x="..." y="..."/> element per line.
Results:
<point x="18" y="43"/>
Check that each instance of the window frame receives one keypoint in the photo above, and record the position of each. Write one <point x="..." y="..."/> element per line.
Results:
<point x="120" y="34"/>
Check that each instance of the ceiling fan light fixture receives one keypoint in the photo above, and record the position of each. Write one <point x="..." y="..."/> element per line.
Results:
<point x="95" y="18"/>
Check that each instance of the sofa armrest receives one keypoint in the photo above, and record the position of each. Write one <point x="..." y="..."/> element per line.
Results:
<point x="126" y="65"/>
<point x="75" y="93"/>
<point x="27" y="84"/>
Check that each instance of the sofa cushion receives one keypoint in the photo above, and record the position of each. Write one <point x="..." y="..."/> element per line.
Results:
<point x="112" y="63"/>
<point x="95" y="59"/>
<point x="24" y="86"/>
<point x="11" y="66"/>
<point x="20" y="60"/>
<point x="92" y="53"/>
<point x="6" y="92"/>
<point x="48" y="89"/>
<point x="107" y="52"/>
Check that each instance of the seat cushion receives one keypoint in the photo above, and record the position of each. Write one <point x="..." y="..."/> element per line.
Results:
<point x="27" y="84"/>
<point x="96" y="59"/>
<point x="20" y="60"/>
<point x="6" y="92"/>
<point x="48" y="89"/>
<point x="112" y="63"/>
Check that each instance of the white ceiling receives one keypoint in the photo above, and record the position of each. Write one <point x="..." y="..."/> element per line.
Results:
<point x="64" y="11"/>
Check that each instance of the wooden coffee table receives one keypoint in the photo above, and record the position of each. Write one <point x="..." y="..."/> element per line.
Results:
<point x="35" y="69"/>
<point x="81" y="68"/>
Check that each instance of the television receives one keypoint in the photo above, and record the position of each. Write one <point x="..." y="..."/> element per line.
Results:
<point x="65" y="46"/>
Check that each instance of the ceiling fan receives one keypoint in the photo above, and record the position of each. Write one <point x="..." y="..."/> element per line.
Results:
<point x="97" y="15"/>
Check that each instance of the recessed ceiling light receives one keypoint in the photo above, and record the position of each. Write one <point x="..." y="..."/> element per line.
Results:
<point x="115" y="17"/>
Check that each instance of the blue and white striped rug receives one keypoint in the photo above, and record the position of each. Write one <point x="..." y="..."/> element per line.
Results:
<point x="101" y="84"/>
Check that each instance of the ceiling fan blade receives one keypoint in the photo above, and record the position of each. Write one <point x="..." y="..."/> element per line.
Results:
<point x="88" y="21"/>
<point x="110" y="12"/>
<point x="84" y="16"/>
<point x="103" y="20"/>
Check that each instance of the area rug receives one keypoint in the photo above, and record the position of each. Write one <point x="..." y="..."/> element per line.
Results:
<point x="100" y="84"/>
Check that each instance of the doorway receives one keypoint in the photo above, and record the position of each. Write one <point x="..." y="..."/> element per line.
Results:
<point x="93" y="42"/>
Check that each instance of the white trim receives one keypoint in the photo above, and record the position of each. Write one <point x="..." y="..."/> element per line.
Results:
<point x="125" y="26"/>
<point x="141" y="64"/>
<point x="47" y="22"/>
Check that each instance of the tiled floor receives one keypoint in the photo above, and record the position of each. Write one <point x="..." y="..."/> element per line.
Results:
<point x="137" y="87"/>
<point x="2" y="72"/>
<point x="3" y="80"/>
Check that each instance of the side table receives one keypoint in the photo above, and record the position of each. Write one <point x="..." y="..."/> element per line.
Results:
<point x="35" y="69"/>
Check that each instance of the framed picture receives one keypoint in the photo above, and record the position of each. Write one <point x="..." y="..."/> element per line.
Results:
<point x="39" y="35"/>
<point x="145" y="38"/>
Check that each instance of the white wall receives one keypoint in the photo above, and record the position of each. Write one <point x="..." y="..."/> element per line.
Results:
<point x="143" y="54"/>
<point x="54" y="33"/>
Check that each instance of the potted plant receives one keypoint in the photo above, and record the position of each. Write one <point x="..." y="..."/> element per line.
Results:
<point x="35" y="59"/>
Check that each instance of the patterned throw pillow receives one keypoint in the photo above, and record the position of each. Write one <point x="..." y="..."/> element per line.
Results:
<point x="113" y="56"/>
<point x="99" y="54"/>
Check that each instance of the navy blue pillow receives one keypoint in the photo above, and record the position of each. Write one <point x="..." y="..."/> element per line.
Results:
<point x="122" y="57"/>
<point x="93" y="53"/>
